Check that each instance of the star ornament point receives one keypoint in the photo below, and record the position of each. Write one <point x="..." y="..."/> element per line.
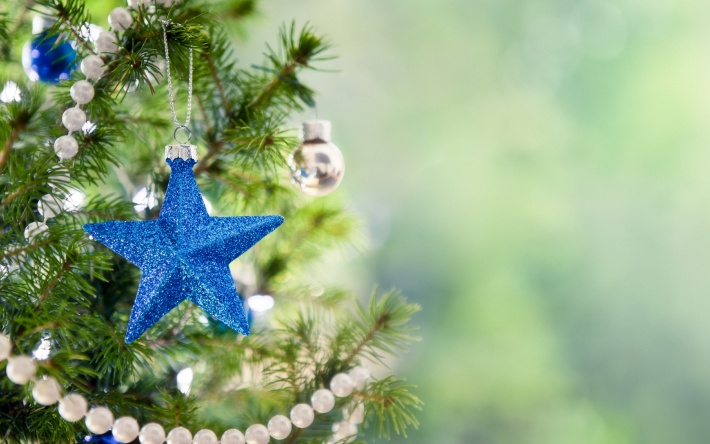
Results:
<point x="184" y="254"/>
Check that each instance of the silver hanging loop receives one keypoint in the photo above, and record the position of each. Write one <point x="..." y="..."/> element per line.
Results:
<point x="185" y="132"/>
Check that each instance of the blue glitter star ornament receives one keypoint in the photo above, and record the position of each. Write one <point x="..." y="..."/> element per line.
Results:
<point x="185" y="253"/>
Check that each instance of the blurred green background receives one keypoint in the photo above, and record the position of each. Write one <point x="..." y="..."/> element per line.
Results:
<point x="535" y="174"/>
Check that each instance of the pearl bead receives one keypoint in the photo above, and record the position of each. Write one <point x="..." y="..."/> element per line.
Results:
<point x="360" y="375"/>
<point x="357" y="414"/>
<point x="47" y="391"/>
<point x="74" y="118"/>
<point x="92" y="67"/>
<point x="257" y="434"/>
<point x="34" y="230"/>
<point x="120" y="19"/>
<point x="232" y="436"/>
<point x="66" y="147"/>
<point x="58" y="176"/>
<point x="302" y="415"/>
<point x="73" y="407"/>
<point x="279" y="427"/>
<point x="20" y="369"/>
<point x="152" y="433"/>
<point x="5" y="347"/>
<point x="179" y="435"/>
<point x="82" y="92"/>
<point x="125" y="429"/>
<point x="49" y="206"/>
<point x="341" y="385"/>
<point x="344" y="430"/>
<point x="323" y="401"/>
<point x="165" y="3"/>
<point x="99" y="420"/>
<point x="134" y="4"/>
<point x="106" y="42"/>
<point x="205" y="436"/>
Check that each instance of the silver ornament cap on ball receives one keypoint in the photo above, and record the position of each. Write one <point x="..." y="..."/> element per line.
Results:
<point x="317" y="165"/>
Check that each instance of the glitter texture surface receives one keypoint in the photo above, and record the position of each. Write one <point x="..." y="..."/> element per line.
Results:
<point x="184" y="254"/>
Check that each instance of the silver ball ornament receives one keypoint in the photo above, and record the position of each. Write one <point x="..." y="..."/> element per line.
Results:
<point x="342" y="385"/>
<point x="74" y="118"/>
<point x="73" y="407"/>
<point x="47" y="391"/>
<point x="317" y="165"/>
<point x="5" y="347"/>
<point x="302" y="415"/>
<point x="92" y="67"/>
<point x="232" y="436"/>
<point x="66" y="147"/>
<point x="125" y="429"/>
<point x="106" y="42"/>
<point x="20" y="369"/>
<point x="82" y="92"/>
<point x="179" y="435"/>
<point x="205" y="436"/>
<point x="99" y="420"/>
<point x="152" y="433"/>
<point x="257" y="434"/>
<point x="322" y="401"/>
<point x="279" y="427"/>
<point x="120" y="19"/>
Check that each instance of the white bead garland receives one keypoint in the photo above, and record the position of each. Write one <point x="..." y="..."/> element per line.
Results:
<point x="179" y="435"/>
<point x="73" y="407"/>
<point x="360" y="375"/>
<point x="323" y="401"/>
<point x="5" y="347"/>
<point x="344" y="430"/>
<point x="233" y="436"/>
<point x="66" y="147"/>
<point x="125" y="429"/>
<point x="257" y="434"/>
<point x="279" y="427"/>
<point x="92" y="67"/>
<point x="134" y="4"/>
<point x="49" y="206"/>
<point x="106" y="42"/>
<point x="73" y="118"/>
<point x="120" y="19"/>
<point x="302" y="415"/>
<point x="20" y="369"/>
<point x="99" y="420"/>
<point x="34" y="230"/>
<point x="47" y="391"/>
<point x="205" y="436"/>
<point x="152" y="433"/>
<point x="342" y="385"/>
<point x="82" y="92"/>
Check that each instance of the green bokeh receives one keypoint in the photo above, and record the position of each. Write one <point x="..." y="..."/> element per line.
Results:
<point x="535" y="174"/>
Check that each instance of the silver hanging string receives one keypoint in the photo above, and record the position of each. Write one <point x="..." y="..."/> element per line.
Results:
<point x="178" y="125"/>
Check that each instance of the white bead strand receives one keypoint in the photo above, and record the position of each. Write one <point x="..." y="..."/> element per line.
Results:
<point x="152" y="433"/>
<point x="360" y="375"/>
<point x="179" y="435"/>
<point x="233" y="436"/>
<point x="20" y="369"/>
<point x="47" y="391"/>
<point x="99" y="420"/>
<point x="134" y="4"/>
<point x="74" y="118"/>
<point x="125" y="429"/>
<point x="302" y="415"/>
<point x="73" y="407"/>
<point x="257" y="434"/>
<point x="35" y="230"/>
<point x="205" y="436"/>
<point x="342" y="385"/>
<point x="279" y="427"/>
<point x="66" y="147"/>
<point x="92" y="67"/>
<point x="5" y="347"/>
<point x="82" y="92"/>
<point x="323" y="401"/>
<point x="120" y="19"/>
<point x="106" y="42"/>
<point x="49" y="206"/>
<point x="343" y="430"/>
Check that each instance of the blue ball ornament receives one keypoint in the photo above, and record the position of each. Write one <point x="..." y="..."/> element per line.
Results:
<point x="47" y="60"/>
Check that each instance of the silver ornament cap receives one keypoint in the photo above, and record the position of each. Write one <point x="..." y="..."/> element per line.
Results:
<point x="316" y="131"/>
<point x="181" y="151"/>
